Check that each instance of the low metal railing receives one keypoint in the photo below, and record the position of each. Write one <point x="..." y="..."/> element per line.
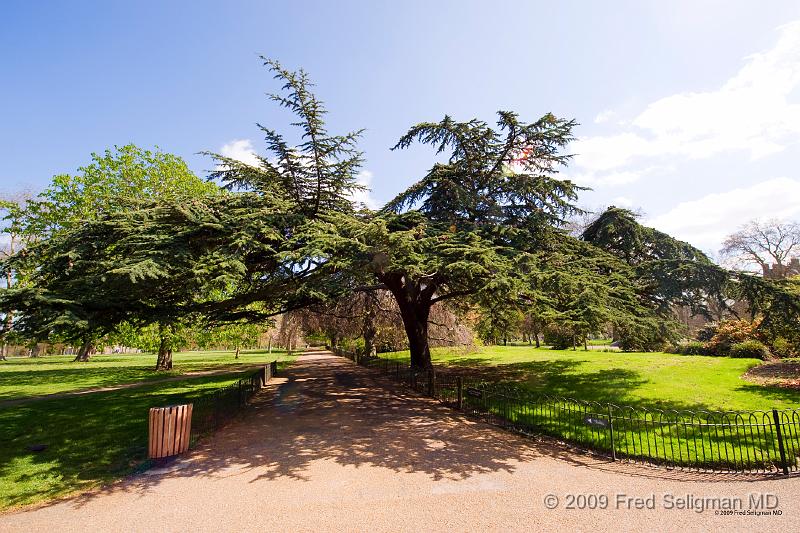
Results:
<point x="212" y="411"/>
<point x="757" y="441"/>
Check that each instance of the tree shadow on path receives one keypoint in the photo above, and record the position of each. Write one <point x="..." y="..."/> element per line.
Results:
<point x="328" y="409"/>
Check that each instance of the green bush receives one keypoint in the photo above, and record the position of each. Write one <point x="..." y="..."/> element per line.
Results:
<point x="750" y="349"/>
<point x="782" y="347"/>
<point x="693" y="348"/>
<point x="557" y="337"/>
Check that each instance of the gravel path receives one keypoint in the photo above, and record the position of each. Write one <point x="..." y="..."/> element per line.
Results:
<point x="332" y="447"/>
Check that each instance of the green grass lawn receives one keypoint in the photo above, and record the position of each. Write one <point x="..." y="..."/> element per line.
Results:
<point x="652" y="380"/>
<point x="599" y="342"/>
<point x="90" y="439"/>
<point x="654" y="393"/>
<point x="34" y="376"/>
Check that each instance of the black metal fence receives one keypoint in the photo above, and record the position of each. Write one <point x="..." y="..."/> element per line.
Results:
<point x="213" y="411"/>
<point x="758" y="441"/>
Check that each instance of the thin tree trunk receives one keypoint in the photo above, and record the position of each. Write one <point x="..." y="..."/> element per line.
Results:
<point x="237" y="352"/>
<point x="164" y="361"/>
<point x="369" y="331"/>
<point x="9" y="319"/>
<point x="83" y="352"/>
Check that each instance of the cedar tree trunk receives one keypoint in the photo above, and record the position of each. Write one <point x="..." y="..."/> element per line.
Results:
<point x="164" y="361"/>
<point x="415" y="304"/>
<point x="84" y="351"/>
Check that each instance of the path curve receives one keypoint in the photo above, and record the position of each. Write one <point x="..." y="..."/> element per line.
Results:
<point x="334" y="447"/>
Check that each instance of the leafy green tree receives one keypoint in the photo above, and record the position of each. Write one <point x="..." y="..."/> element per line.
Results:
<point x="108" y="184"/>
<point x="232" y="336"/>
<point x="115" y="182"/>
<point x="160" y="263"/>
<point x="580" y="289"/>
<point x="499" y="324"/>
<point x="672" y="273"/>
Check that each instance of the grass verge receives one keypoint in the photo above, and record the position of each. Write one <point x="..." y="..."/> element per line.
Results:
<point x="36" y="376"/>
<point x="91" y="440"/>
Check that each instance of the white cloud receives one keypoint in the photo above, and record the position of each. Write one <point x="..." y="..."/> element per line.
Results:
<point x="594" y="179"/>
<point x="622" y="201"/>
<point x="604" y="116"/>
<point x="364" y="179"/>
<point x="241" y="150"/>
<point x="612" y="178"/>
<point x="706" y="222"/>
<point x="757" y="111"/>
<point x="608" y="152"/>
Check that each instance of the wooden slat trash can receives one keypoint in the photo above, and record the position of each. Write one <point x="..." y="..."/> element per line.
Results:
<point x="170" y="429"/>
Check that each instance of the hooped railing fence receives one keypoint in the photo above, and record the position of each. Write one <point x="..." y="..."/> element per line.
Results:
<point x="214" y="410"/>
<point x="753" y="442"/>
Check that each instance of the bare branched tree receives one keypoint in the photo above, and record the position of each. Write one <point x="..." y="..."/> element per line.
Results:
<point x="763" y="243"/>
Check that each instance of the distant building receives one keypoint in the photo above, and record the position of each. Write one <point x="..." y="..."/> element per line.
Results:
<point x="783" y="271"/>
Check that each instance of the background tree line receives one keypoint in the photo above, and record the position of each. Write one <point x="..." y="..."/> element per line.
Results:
<point x="135" y="247"/>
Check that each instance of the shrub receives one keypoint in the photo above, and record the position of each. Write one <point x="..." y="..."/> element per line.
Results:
<point x="557" y="337"/>
<point x="782" y="347"/>
<point x="751" y="348"/>
<point x="730" y="332"/>
<point x="693" y="348"/>
<point x="647" y="335"/>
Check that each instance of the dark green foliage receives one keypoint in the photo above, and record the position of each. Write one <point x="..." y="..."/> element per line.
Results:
<point x="481" y="230"/>
<point x="505" y="177"/>
<point x="318" y="174"/>
<point x="617" y="231"/>
<point x="693" y="348"/>
<point x="750" y="348"/>
<point x="673" y="274"/>
<point x="777" y="302"/>
<point x="464" y="230"/>
<point x="558" y="338"/>
<point x="158" y="263"/>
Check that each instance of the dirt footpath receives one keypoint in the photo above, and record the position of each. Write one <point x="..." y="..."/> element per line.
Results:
<point x="334" y="448"/>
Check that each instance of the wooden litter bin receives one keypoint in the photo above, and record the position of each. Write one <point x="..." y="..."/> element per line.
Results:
<point x="170" y="428"/>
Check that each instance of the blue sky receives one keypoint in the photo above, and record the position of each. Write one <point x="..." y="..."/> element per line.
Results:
<point x="689" y="111"/>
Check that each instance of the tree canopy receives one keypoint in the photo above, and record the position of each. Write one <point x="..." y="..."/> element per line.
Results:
<point x="136" y="239"/>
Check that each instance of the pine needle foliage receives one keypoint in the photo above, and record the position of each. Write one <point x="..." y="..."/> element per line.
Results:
<point x="503" y="177"/>
<point x="318" y="174"/>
